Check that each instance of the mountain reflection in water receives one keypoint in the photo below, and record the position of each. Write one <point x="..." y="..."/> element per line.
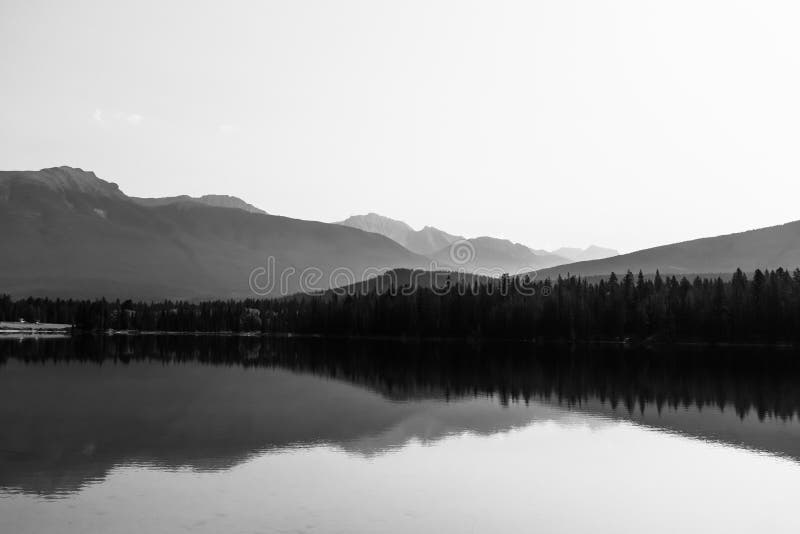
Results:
<point x="71" y="410"/>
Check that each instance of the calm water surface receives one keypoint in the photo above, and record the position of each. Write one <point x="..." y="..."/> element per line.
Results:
<point x="170" y="434"/>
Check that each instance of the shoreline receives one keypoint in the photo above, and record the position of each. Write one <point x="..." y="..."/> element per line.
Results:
<point x="413" y="339"/>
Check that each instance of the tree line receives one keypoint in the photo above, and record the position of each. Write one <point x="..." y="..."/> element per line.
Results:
<point x="762" y="307"/>
<point x="760" y="380"/>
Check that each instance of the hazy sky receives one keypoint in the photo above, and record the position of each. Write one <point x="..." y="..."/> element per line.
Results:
<point x="626" y="123"/>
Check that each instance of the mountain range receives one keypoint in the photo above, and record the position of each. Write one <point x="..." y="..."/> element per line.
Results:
<point x="484" y="254"/>
<point x="64" y="232"/>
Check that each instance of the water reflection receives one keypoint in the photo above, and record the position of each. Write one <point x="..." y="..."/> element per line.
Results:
<point x="72" y="410"/>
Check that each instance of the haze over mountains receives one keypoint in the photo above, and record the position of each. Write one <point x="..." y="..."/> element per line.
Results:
<point x="427" y="241"/>
<point x="488" y="254"/>
<point x="64" y="232"/>
<point x="771" y="247"/>
<point x="493" y="257"/>
<point x="592" y="252"/>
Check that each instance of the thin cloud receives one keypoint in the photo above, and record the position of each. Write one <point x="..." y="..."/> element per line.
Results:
<point x="226" y="129"/>
<point x="102" y="117"/>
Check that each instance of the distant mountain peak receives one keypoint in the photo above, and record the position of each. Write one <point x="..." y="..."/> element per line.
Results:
<point x="68" y="179"/>
<point x="374" y="220"/>
<point x="395" y="230"/>
<point x="425" y="241"/>
<point x="65" y="178"/>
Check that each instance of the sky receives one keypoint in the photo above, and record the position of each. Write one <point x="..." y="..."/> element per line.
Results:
<point x="626" y="124"/>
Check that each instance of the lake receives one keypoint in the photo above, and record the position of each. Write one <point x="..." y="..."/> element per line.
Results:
<point x="243" y="434"/>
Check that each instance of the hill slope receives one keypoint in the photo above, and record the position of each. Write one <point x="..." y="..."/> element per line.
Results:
<point x="64" y="232"/>
<point x="772" y="247"/>
<point x="592" y="252"/>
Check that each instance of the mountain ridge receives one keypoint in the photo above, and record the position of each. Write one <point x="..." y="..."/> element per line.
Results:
<point x="592" y="252"/>
<point x="494" y="256"/>
<point x="68" y="233"/>
<point x="426" y="241"/>
<point x="64" y="179"/>
<point x="760" y="248"/>
<point x="218" y="201"/>
<point x="431" y="241"/>
<point x="64" y="232"/>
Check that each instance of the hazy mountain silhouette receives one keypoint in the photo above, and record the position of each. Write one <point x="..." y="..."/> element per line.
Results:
<point x="372" y="222"/>
<point x="592" y="252"/>
<point x="64" y="232"/>
<point x="772" y="247"/>
<point x="490" y="255"/>
<point x="430" y="240"/>
<point x="427" y="241"/>
<point x="218" y="201"/>
<point x="487" y="255"/>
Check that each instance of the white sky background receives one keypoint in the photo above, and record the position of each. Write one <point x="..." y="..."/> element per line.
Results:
<point x="626" y="124"/>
